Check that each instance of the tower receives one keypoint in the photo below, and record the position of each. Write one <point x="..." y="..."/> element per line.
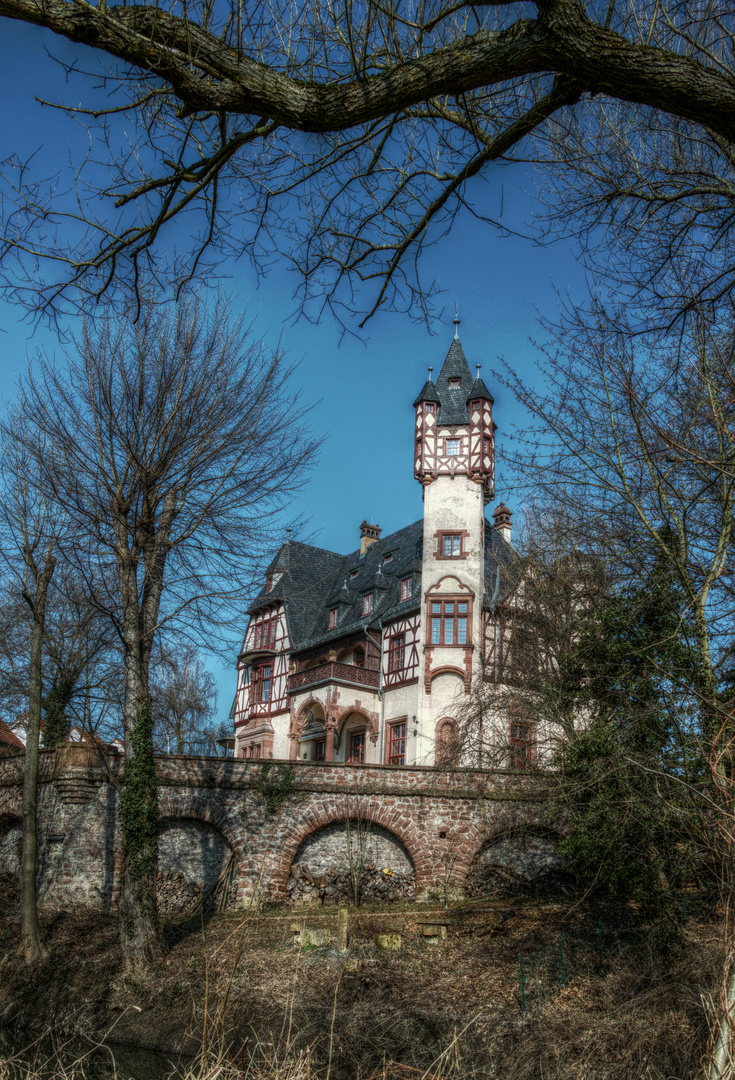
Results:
<point x="454" y="461"/>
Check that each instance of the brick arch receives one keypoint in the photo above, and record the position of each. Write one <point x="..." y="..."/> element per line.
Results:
<point x="338" y="810"/>
<point x="371" y="721"/>
<point x="448" y="669"/>
<point x="484" y="837"/>
<point x="205" y="809"/>
<point x="297" y="724"/>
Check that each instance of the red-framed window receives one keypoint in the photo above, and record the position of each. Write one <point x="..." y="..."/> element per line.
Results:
<point x="449" y="622"/>
<point x="397" y="743"/>
<point x="488" y="444"/>
<point x="265" y="634"/>
<point x="368" y="603"/>
<point x="451" y="545"/>
<point x="359" y="658"/>
<point x="333" y="612"/>
<point x="521" y="746"/>
<point x="452" y="447"/>
<point x="357" y="747"/>
<point x="254" y="751"/>
<point x="397" y="653"/>
<point x="406" y="588"/>
<point x="262" y="682"/>
<point x="430" y="407"/>
<point x="320" y="750"/>
<point x="454" y="384"/>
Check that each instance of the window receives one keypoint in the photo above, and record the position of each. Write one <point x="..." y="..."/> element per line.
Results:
<point x="451" y="545"/>
<point x="262" y="679"/>
<point x="388" y="557"/>
<point x="359" y="658"/>
<point x="320" y="750"/>
<point x="452" y="447"/>
<point x="354" y="573"/>
<point x="454" y="384"/>
<point x="357" y="747"/>
<point x="333" y="618"/>
<point x="368" y="603"/>
<point x="405" y="588"/>
<point x="397" y="744"/>
<point x="397" y="655"/>
<point x="254" y="752"/>
<point x="265" y="634"/>
<point x="488" y="443"/>
<point x="521" y="746"/>
<point x="430" y="407"/>
<point x="449" y="622"/>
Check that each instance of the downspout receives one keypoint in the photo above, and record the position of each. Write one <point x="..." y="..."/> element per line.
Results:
<point x="381" y="696"/>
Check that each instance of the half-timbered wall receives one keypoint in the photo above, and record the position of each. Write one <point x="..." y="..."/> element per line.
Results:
<point x="262" y="691"/>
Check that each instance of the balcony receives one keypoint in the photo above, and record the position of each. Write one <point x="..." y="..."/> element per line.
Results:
<point x="347" y="674"/>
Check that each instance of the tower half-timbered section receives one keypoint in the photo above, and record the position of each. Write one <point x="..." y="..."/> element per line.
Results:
<point x="375" y="656"/>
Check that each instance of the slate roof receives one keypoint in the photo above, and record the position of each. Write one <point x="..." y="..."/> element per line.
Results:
<point x="453" y="408"/>
<point x="316" y="580"/>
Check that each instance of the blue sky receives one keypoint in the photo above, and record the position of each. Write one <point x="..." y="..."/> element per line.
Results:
<point x="361" y="390"/>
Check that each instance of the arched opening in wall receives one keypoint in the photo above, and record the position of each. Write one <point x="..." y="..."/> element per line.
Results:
<point x="517" y="860"/>
<point x="312" y="744"/>
<point x="11" y="834"/>
<point x="353" y="739"/>
<point x="353" y="860"/>
<point x="446" y="743"/>
<point x="196" y="867"/>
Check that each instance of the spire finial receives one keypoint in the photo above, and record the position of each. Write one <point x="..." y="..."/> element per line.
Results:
<point x="431" y="372"/>
<point x="478" y="366"/>
<point x="456" y="323"/>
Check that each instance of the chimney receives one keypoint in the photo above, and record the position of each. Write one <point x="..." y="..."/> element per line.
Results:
<point x="501" y="521"/>
<point x="369" y="534"/>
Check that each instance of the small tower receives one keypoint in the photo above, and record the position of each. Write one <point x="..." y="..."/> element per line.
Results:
<point x="454" y="461"/>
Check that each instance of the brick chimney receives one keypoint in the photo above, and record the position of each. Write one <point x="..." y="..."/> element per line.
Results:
<point x="501" y="521"/>
<point x="369" y="534"/>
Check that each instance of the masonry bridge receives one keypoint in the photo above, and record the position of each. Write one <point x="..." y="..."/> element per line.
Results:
<point x="390" y="831"/>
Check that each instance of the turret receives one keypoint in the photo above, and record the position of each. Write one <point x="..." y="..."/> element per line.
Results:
<point x="455" y="433"/>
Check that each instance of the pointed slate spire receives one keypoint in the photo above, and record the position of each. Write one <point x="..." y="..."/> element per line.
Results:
<point x="454" y="383"/>
<point x="479" y="390"/>
<point x="428" y="391"/>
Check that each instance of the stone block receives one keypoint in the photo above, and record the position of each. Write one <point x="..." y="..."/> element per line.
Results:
<point x="388" y="942"/>
<point x="316" y="937"/>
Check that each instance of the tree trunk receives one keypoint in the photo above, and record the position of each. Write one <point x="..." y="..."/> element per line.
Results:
<point x="33" y="948"/>
<point x="722" y="1058"/>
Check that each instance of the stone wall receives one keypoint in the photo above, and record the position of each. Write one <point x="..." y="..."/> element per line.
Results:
<point x="426" y="826"/>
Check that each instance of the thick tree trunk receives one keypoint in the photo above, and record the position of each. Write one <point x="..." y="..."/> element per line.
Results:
<point x="33" y="948"/>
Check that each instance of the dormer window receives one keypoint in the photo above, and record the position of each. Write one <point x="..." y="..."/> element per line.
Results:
<point x="388" y="557"/>
<point x="452" y="447"/>
<point x="405" y="588"/>
<point x="333" y="613"/>
<point x="368" y="603"/>
<point x="354" y="573"/>
<point x="454" y="384"/>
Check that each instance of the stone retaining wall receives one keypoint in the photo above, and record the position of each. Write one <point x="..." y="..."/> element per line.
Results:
<point x="433" y="824"/>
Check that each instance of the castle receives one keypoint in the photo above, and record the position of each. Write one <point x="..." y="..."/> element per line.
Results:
<point x="370" y="657"/>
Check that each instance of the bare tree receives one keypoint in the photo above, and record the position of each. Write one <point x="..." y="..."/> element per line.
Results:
<point x="32" y="525"/>
<point x="634" y="444"/>
<point x="184" y="700"/>
<point x="344" y="136"/>
<point x="170" y="444"/>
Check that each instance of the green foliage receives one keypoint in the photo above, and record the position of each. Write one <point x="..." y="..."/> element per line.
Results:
<point x="55" y="704"/>
<point x="630" y="828"/>
<point x="275" y="784"/>
<point x="139" y="801"/>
